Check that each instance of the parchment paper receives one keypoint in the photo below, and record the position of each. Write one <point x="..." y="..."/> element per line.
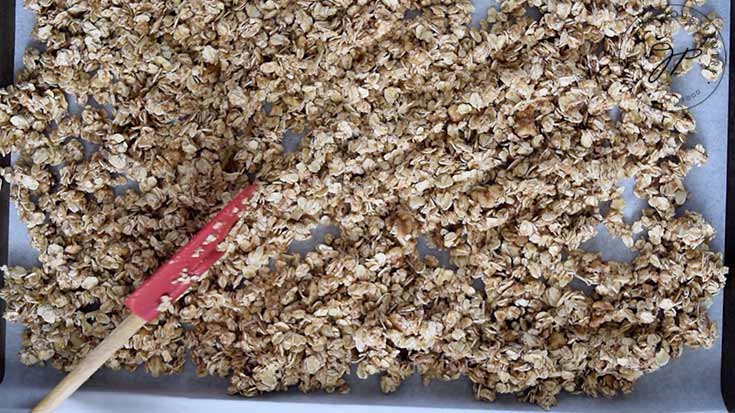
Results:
<point x="688" y="384"/>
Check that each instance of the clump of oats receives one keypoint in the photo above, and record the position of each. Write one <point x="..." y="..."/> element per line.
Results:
<point x="493" y="143"/>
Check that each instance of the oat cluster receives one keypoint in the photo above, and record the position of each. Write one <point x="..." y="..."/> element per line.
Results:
<point x="494" y="144"/>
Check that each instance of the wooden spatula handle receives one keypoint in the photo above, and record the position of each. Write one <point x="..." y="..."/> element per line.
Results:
<point x="91" y="363"/>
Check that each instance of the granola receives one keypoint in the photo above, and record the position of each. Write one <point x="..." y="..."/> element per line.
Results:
<point x="493" y="143"/>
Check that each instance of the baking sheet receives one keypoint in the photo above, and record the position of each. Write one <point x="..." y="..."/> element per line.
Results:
<point x="689" y="384"/>
<point x="7" y="45"/>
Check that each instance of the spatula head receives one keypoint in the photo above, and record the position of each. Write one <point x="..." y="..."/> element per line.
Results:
<point x="189" y="263"/>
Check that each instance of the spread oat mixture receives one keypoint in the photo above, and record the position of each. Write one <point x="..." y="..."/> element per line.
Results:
<point x="492" y="142"/>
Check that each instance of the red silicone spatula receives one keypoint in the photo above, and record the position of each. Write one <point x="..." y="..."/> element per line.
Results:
<point x="168" y="283"/>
